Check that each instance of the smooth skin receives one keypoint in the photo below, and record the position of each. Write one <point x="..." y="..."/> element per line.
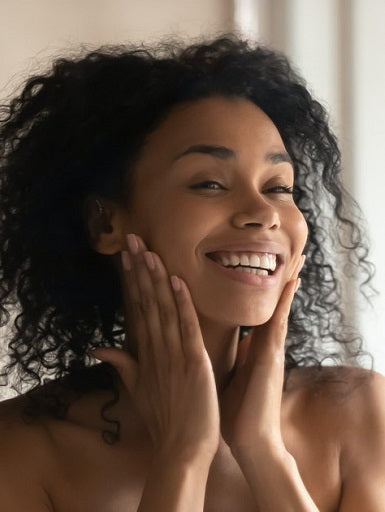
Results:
<point x="173" y="387"/>
<point x="205" y="422"/>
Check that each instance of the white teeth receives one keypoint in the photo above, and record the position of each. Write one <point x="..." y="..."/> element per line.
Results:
<point x="261" y="272"/>
<point x="244" y="260"/>
<point x="255" y="260"/>
<point x="225" y="261"/>
<point x="255" y="271"/>
<point x="265" y="261"/>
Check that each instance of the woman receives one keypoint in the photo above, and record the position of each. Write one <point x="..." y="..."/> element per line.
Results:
<point x="157" y="210"/>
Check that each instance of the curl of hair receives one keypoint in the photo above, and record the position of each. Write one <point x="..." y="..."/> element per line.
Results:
<point x="78" y="129"/>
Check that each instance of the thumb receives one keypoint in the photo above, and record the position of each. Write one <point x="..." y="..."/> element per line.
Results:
<point x="123" y="363"/>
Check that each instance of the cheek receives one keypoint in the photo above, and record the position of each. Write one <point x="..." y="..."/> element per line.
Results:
<point x="171" y="235"/>
<point x="173" y="221"/>
<point x="299" y="231"/>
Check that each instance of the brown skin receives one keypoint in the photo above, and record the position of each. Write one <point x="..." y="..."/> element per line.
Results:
<point x="64" y="465"/>
<point x="339" y="453"/>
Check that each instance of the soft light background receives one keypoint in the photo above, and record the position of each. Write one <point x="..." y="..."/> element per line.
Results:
<point x="338" y="45"/>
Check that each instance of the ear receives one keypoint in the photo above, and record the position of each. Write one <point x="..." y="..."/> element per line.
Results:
<point x="106" y="223"/>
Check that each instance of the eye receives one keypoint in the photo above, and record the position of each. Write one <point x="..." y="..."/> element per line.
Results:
<point x="208" y="185"/>
<point x="280" y="189"/>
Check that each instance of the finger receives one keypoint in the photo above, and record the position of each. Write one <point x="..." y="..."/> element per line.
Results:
<point x="135" y="320"/>
<point x="156" y="304"/>
<point x="266" y="362"/>
<point x="167" y="309"/>
<point x="192" y="341"/>
<point x="279" y="321"/>
<point x="135" y="244"/>
<point x="146" y="304"/>
<point x="268" y="340"/>
<point x="136" y="247"/>
<point x="282" y="309"/>
<point x="124" y="364"/>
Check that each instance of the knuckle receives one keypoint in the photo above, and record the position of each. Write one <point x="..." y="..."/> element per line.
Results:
<point x="147" y="303"/>
<point x="136" y="307"/>
<point x="158" y="277"/>
<point x="167" y="315"/>
<point x="282" y="325"/>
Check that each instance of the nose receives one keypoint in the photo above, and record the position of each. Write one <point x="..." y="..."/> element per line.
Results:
<point x="256" y="212"/>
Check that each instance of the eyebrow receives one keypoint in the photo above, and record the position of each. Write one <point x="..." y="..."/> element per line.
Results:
<point x="217" y="151"/>
<point x="224" y="153"/>
<point x="277" y="157"/>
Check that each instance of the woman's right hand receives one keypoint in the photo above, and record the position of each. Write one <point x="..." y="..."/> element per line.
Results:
<point x="172" y="384"/>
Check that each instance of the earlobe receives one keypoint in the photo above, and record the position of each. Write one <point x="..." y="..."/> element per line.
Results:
<point x="105" y="221"/>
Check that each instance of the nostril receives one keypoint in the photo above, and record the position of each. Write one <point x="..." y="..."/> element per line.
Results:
<point x="259" y="219"/>
<point x="253" y="225"/>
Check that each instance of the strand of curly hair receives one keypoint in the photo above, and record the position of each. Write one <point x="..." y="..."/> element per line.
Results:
<point x="77" y="130"/>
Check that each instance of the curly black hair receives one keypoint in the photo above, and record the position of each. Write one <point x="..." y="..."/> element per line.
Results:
<point x="78" y="129"/>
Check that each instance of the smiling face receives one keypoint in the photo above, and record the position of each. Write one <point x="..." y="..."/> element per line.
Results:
<point x="212" y="193"/>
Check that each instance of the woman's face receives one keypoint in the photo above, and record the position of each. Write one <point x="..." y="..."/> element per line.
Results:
<point x="211" y="193"/>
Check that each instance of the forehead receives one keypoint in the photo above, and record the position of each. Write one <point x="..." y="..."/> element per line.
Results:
<point x="232" y="122"/>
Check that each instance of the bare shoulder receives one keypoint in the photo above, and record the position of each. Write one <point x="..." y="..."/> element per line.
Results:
<point x="347" y="405"/>
<point x="340" y="382"/>
<point x="25" y="460"/>
<point x="16" y="434"/>
<point x="350" y="390"/>
<point x="347" y="402"/>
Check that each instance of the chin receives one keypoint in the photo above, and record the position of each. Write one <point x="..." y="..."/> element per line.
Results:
<point x="238" y="309"/>
<point x="236" y="317"/>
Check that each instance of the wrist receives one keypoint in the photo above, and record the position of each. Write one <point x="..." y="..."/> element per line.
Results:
<point x="182" y="458"/>
<point x="175" y="483"/>
<point x="268" y="450"/>
<point x="268" y="467"/>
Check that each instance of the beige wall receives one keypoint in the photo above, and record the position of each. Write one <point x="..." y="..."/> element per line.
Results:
<point x="337" y="44"/>
<point x="33" y="30"/>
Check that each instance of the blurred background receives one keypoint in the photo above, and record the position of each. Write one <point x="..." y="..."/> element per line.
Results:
<point x="337" y="45"/>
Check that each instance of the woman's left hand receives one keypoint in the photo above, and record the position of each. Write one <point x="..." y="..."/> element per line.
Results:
<point x="251" y="403"/>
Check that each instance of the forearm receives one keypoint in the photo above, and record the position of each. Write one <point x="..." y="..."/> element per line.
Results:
<point x="174" y="486"/>
<point x="275" y="482"/>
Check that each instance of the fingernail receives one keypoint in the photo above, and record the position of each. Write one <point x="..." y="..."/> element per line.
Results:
<point x="132" y="244"/>
<point x="298" y="284"/>
<point x="126" y="262"/>
<point x="150" y="262"/>
<point x="175" y="283"/>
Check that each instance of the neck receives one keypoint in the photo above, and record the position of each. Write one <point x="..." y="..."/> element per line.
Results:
<point x="221" y="344"/>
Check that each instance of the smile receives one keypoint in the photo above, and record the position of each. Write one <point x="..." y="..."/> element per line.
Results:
<point x="260" y="264"/>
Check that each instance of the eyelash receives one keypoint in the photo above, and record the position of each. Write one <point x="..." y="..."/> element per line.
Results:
<point x="204" y="184"/>
<point x="279" y="189"/>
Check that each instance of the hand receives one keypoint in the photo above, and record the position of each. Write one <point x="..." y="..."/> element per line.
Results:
<point x="251" y="403"/>
<point x="172" y="384"/>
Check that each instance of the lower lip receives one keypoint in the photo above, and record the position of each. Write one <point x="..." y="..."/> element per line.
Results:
<point x="246" y="277"/>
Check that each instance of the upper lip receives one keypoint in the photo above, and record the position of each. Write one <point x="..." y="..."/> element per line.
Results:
<point x="262" y="246"/>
